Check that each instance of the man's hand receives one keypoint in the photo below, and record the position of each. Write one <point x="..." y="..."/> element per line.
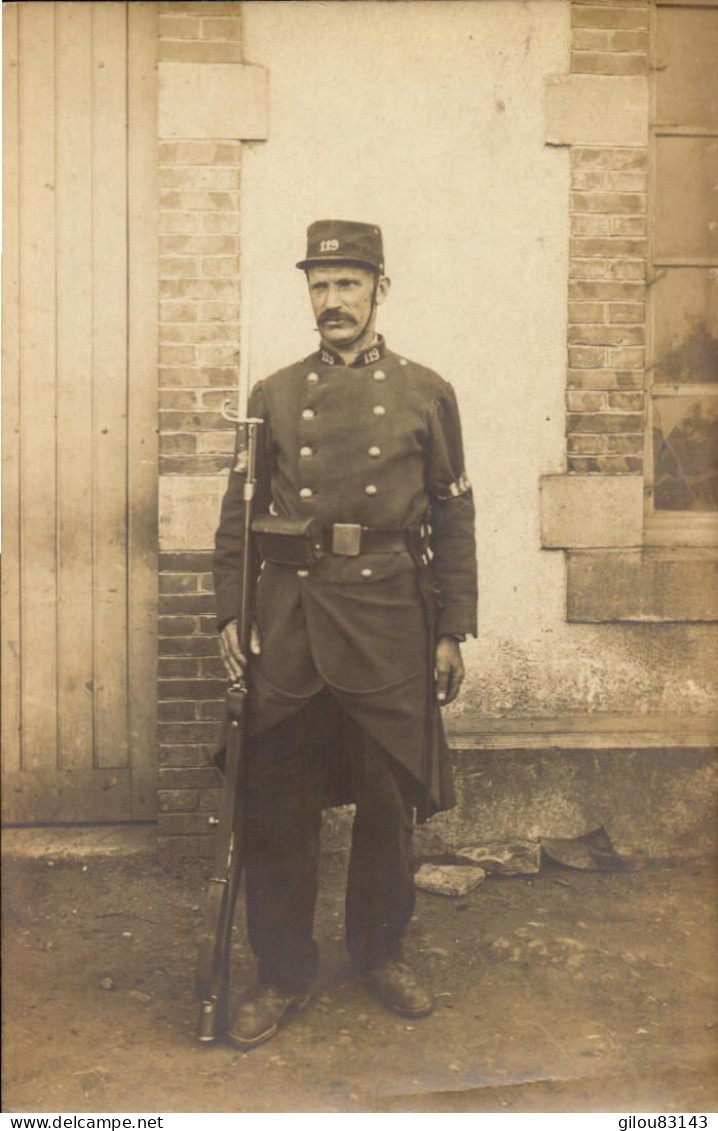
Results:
<point x="234" y="659"/>
<point x="448" y="669"/>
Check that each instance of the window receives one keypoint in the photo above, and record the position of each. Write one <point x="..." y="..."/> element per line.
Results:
<point x="682" y="363"/>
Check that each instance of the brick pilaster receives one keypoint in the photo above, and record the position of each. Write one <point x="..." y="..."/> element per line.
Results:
<point x="199" y="353"/>
<point x="199" y="302"/>
<point x="607" y="260"/>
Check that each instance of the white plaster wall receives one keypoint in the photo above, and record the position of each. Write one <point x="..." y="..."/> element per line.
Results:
<point x="427" y="118"/>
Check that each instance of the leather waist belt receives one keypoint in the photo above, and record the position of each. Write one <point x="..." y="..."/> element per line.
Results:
<point x="289" y="541"/>
<point x="349" y="539"/>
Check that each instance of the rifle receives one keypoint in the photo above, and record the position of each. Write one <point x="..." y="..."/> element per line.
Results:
<point x="212" y="978"/>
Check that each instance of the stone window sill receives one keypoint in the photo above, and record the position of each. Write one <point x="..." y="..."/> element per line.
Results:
<point x="619" y="570"/>
<point x="650" y="585"/>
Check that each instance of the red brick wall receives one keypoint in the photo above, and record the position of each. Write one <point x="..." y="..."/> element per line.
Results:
<point x="609" y="38"/>
<point x="199" y="353"/>
<point x="607" y="268"/>
<point x="191" y="690"/>
<point x="200" y="32"/>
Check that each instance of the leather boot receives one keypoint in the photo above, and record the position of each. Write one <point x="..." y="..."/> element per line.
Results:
<point x="261" y="1013"/>
<point x="398" y="988"/>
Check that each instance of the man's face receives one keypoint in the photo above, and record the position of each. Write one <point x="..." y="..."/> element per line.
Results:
<point x="341" y="297"/>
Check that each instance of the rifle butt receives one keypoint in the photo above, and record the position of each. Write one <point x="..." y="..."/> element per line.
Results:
<point x="209" y="1027"/>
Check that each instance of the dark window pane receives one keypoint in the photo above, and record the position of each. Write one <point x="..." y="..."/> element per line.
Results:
<point x="685" y="453"/>
<point x="687" y="71"/>
<point x="685" y="326"/>
<point x="686" y="225"/>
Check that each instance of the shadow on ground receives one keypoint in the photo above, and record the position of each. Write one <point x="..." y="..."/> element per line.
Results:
<point x="563" y="992"/>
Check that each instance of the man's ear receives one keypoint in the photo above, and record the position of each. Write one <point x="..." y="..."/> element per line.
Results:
<point x="382" y="289"/>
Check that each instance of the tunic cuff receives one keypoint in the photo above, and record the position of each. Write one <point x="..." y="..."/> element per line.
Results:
<point x="457" y="620"/>
<point x="226" y="606"/>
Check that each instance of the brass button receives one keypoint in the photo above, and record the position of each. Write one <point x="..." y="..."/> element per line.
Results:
<point x="403" y="361"/>
<point x="302" y="573"/>
<point x="370" y="489"/>
<point x="379" y="410"/>
<point x="374" y="451"/>
<point x="312" y="378"/>
<point x="308" y="414"/>
<point x="306" y="452"/>
<point x="306" y="493"/>
<point x="379" y="375"/>
<point x="366" y="572"/>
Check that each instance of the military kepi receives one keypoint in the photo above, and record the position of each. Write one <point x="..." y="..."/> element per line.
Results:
<point x="329" y="241"/>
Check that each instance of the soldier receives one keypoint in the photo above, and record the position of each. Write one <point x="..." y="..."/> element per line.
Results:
<point x="366" y="587"/>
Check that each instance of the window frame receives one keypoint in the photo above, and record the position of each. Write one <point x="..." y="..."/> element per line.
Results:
<point x="661" y="527"/>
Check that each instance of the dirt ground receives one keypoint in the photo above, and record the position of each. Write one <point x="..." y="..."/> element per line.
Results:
<point x="566" y="991"/>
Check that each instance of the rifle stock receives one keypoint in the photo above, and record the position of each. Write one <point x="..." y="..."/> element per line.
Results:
<point x="212" y="976"/>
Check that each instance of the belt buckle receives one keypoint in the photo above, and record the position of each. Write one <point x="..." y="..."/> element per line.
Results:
<point x="346" y="539"/>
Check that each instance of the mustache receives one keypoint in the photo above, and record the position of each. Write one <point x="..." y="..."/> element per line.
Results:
<point x="333" y="315"/>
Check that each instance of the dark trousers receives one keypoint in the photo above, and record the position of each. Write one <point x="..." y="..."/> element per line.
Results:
<point x="317" y="757"/>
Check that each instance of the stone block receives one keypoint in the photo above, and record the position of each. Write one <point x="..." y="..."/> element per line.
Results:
<point x="212" y="101"/>
<point x="449" y="879"/>
<point x="643" y="586"/>
<point x="189" y="510"/>
<point x="587" y="511"/>
<point x="585" y="109"/>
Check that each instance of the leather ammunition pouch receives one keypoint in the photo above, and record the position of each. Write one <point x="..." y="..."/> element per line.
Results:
<point x="288" y="541"/>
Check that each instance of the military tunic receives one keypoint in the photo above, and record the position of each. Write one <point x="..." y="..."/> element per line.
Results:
<point x="378" y="444"/>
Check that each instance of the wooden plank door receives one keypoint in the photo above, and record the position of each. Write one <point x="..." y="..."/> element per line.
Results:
<point x="79" y="442"/>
